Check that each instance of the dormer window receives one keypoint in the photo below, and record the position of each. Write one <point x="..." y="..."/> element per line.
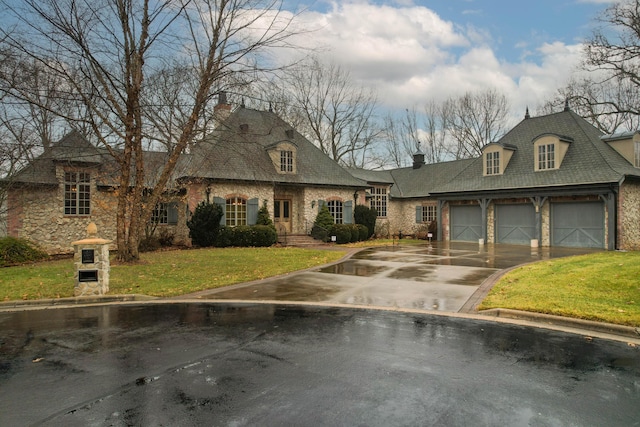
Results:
<point x="493" y="163"/>
<point x="283" y="155"/>
<point x="546" y="156"/>
<point x="286" y="161"/>
<point x="550" y="150"/>
<point x="496" y="157"/>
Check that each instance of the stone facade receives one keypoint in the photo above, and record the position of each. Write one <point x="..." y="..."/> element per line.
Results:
<point x="629" y="216"/>
<point x="37" y="214"/>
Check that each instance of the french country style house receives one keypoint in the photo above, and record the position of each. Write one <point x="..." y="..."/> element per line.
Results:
<point x="553" y="180"/>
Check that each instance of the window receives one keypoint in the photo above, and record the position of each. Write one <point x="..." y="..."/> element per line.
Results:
<point x="428" y="214"/>
<point x="636" y="153"/>
<point x="379" y="200"/>
<point x="546" y="156"/>
<point x="493" y="163"/>
<point x="160" y="214"/>
<point x="77" y="193"/>
<point x="335" y="208"/>
<point x="286" y="161"/>
<point x="236" y="211"/>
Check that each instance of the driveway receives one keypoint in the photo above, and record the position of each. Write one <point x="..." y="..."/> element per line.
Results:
<point x="437" y="276"/>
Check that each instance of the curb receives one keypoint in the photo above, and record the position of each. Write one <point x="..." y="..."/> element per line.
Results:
<point x="565" y="322"/>
<point x="75" y="301"/>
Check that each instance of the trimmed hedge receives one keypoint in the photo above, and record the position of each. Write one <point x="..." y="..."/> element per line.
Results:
<point x="247" y="236"/>
<point x="342" y="233"/>
<point x="17" y="251"/>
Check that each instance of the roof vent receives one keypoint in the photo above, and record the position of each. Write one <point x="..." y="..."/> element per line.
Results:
<point x="244" y="128"/>
<point x="289" y="133"/>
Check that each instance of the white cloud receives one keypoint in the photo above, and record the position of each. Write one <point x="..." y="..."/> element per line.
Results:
<point x="410" y="56"/>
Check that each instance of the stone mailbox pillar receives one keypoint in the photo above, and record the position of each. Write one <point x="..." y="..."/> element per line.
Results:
<point x="91" y="261"/>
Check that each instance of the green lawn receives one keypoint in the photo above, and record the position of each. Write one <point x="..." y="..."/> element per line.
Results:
<point x="602" y="287"/>
<point x="165" y="274"/>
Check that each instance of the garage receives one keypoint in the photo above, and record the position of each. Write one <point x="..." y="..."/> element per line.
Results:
<point x="515" y="224"/>
<point x="466" y="223"/>
<point x="577" y="224"/>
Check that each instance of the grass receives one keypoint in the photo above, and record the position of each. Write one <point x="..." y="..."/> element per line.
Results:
<point x="602" y="287"/>
<point x="164" y="274"/>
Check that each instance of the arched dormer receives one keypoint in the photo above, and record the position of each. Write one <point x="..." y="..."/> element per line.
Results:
<point x="549" y="150"/>
<point x="496" y="157"/>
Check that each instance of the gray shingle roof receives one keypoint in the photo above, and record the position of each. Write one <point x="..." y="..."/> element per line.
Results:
<point x="234" y="154"/>
<point x="72" y="148"/>
<point x="589" y="160"/>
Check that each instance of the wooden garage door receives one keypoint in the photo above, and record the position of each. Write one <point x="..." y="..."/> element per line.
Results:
<point x="466" y="223"/>
<point x="579" y="224"/>
<point x="515" y="224"/>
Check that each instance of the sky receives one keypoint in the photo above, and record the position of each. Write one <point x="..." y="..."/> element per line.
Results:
<point x="414" y="51"/>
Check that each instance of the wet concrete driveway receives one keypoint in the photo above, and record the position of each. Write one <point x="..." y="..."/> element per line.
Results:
<point x="216" y="364"/>
<point x="438" y="276"/>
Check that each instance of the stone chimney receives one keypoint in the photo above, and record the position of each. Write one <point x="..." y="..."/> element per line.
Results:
<point x="222" y="110"/>
<point x="418" y="160"/>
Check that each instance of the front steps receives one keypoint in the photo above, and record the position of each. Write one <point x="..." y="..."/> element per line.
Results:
<point x="299" y="241"/>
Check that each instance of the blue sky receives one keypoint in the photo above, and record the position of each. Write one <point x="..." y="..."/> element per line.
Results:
<point x="415" y="51"/>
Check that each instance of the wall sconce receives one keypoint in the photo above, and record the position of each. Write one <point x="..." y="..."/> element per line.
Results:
<point x="313" y="204"/>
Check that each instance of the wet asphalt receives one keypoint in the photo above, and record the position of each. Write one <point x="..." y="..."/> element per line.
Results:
<point x="440" y="276"/>
<point x="210" y="362"/>
<point x="193" y="364"/>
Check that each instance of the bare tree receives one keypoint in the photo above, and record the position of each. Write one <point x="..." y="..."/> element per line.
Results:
<point x="608" y="97"/>
<point x="339" y="117"/>
<point x="610" y="104"/>
<point x="105" y="52"/>
<point x="476" y="120"/>
<point x="435" y="133"/>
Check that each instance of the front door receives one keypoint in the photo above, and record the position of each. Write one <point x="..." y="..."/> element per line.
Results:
<point x="282" y="215"/>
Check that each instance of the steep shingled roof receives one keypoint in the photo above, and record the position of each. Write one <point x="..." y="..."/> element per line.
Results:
<point x="72" y="148"/>
<point x="238" y="150"/>
<point x="588" y="160"/>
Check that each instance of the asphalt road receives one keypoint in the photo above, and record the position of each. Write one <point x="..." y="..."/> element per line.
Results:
<point x="180" y="364"/>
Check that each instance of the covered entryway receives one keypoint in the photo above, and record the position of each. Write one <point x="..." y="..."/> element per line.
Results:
<point x="466" y="223"/>
<point x="577" y="224"/>
<point x="515" y="224"/>
<point x="282" y="215"/>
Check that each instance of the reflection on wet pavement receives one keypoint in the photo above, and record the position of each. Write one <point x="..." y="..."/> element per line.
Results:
<point x="267" y="364"/>
<point x="436" y="276"/>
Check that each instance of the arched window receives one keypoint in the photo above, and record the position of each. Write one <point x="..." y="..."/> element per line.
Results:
<point x="335" y="208"/>
<point x="236" y="211"/>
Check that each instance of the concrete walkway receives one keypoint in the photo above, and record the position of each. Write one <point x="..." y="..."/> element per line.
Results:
<point x="438" y="276"/>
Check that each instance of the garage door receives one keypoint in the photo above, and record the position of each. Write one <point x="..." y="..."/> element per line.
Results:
<point x="515" y="224"/>
<point x="466" y="223"/>
<point x="579" y="224"/>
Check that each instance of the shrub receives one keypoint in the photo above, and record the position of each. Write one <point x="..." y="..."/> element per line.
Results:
<point x="363" y="232"/>
<point x="263" y="216"/>
<point x="17" y="251"/>
<point x="149" y="244"/>
<point x="355" y="232"/>
<point x="322" y="224"/>
<point x="242" y="236"/>
<point x="367" y="217"/>
<point x="166" y="238"/>
<point x="225" y="237"/>
<point x="264" y="235"/>
<point x="204" y="224"/>
<point x="342" y="233"/>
